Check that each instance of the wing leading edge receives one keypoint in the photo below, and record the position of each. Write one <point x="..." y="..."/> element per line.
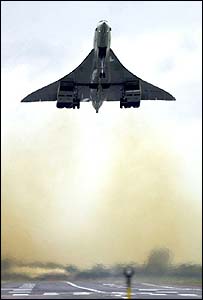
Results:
<point x="47" y="93"/>
<point x="79" y="75"/>
<point x="122" y="84"/>
<point x="120" y="76"/>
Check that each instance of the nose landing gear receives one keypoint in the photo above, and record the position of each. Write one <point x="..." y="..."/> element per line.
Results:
<point x="102" y="75"/>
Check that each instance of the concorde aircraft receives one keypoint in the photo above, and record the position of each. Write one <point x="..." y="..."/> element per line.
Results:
<point x="100" y="77"/>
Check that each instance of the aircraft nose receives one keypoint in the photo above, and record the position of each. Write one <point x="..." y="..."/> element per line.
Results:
<point x="104" y="26"/>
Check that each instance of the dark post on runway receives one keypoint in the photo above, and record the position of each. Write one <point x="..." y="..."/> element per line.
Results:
<point x="128" y="272"/>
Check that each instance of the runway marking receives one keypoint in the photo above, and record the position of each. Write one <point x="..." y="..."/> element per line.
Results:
<point x="27" y="285"/>
<point x="20" y="290"/>
<point x="188" y="289"/>
<point x="153" y="290"/>
<point x="144" y="293"/>
<point x="118" y="295"/>
<point x="115" y="285"/>
<point x="152" y="294"/>
<point x="172" y="287"/>
<point x="81" y="293"/>
<point x="123" y="297"/>
<point x="149" y="284"/>
<point x="189" y="295"/>
<point x="20" y="294"/>
<point x="51" y="294"/>
<point x="110" y="284"/>
<point x="84" y="288"/>
<point x="24" y="290"/>
<point x="170" y="292"/>
<point x="161" y="286"/>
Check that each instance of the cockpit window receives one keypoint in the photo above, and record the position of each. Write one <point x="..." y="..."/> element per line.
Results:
<point x="103" y="21"/>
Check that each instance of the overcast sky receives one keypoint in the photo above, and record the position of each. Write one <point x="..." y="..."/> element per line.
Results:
<point x="159" y="41"/>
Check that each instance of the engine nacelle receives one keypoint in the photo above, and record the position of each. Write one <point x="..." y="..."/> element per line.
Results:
<point x="131" y="95"/>
<point x="67" y="95"/>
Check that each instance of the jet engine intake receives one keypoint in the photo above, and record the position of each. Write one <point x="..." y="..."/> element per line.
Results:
<point x="67" y="95"/>
<point x="131" y="95"/>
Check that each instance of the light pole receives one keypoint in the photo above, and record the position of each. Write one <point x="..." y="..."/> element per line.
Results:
<point x="128" y="272"/>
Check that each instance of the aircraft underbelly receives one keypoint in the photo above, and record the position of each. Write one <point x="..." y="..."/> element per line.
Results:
<point x="98" y="94"/>
<point x="100" y="77"/>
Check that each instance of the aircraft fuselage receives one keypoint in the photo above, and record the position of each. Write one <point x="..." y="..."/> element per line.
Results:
<point x="100" y="77"/>
<point x="100" y="70"/>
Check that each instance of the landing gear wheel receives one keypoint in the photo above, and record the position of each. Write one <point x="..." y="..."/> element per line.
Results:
<point x="102" y="75"/>
<point x="59" y="105"/>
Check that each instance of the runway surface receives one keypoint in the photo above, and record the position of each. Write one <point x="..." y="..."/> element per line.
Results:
<point x="95" y="290"/>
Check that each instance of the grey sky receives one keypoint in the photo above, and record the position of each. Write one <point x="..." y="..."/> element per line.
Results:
<point x="52" y="38"/>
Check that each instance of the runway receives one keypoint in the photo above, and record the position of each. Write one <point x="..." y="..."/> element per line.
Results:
<point x="95" y="290"/>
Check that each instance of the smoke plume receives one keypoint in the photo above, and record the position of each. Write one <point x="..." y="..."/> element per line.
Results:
<point x="84" y="189"/>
